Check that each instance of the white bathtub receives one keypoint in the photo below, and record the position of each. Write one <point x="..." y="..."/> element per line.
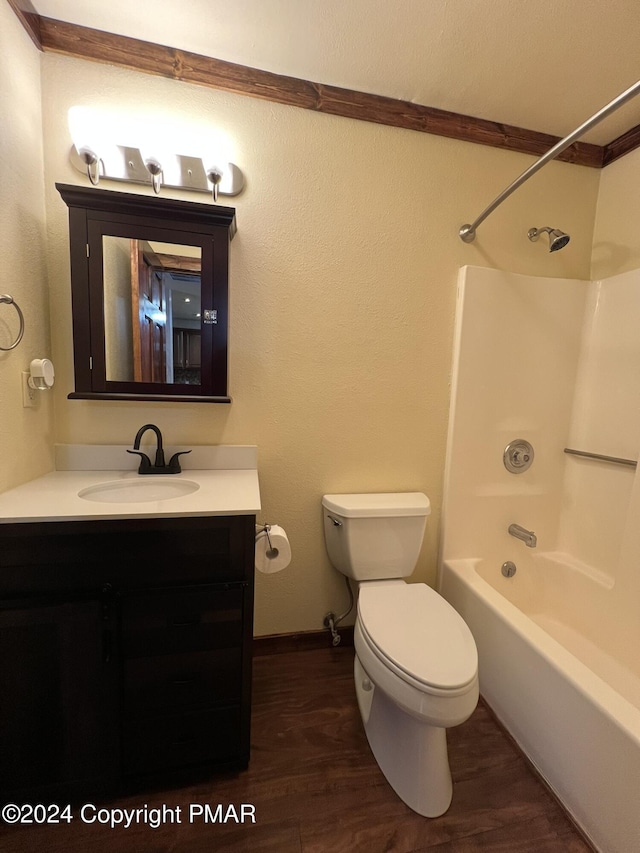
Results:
<point x="571" y="702"/>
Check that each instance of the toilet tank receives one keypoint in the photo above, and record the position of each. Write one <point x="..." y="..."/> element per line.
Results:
<point x="375" y="536"/>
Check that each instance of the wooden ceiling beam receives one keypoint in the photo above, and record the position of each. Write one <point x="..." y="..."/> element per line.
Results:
<point x="149" y="58"/>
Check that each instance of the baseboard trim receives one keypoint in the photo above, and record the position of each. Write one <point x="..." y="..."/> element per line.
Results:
<point x="304" y="641"/>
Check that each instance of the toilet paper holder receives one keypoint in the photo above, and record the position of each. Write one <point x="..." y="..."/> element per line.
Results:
<point x="265" y="528"/>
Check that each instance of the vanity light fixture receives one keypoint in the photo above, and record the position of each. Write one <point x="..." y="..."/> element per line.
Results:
<point x="141" y="149"/>
<point x="124" y="163"/>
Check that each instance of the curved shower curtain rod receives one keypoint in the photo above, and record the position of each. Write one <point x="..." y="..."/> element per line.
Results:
<point x="468" y="232"/>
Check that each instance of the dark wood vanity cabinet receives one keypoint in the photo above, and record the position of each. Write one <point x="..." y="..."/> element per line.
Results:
<point x="125" y="652"/>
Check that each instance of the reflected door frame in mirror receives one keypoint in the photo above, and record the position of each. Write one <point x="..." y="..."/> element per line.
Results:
<point x="95" y="214"/>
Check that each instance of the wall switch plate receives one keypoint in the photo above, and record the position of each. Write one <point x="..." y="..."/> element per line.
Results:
<point x="28" y="393"/>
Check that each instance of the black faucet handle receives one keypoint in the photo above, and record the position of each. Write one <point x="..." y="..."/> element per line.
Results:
<point x="174" y="464"/>
<point x="145" y="462"/>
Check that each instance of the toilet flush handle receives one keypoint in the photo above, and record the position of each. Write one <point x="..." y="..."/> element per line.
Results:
<point x="335" y="521"/>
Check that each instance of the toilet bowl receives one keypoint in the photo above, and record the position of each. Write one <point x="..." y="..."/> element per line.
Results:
<point x="416" y="665"/>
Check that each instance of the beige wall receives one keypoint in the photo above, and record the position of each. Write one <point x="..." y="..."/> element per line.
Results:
<point x="342" y="299"/>
<point x="26" y="435"/>
<point x="616" y="238"/>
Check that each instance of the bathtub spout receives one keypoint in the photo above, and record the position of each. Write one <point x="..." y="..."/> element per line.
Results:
<point x="528" y="536"/>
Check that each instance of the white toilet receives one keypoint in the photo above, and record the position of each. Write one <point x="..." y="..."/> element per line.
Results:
<point x="416" y="664"/>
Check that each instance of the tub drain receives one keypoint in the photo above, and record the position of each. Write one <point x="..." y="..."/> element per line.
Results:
<point x="508" y="569"/>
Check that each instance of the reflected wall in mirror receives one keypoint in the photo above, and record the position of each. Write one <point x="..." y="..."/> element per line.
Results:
<point x="152" y="311"/>
<point x="149" y="282"/>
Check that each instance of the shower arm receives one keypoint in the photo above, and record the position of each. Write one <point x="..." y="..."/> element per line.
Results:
<point x="468" y="232"/>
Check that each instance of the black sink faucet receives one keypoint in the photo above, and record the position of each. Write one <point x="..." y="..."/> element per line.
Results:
<point x="159" y="466"/>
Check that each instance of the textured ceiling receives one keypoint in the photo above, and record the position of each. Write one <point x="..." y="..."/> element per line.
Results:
<point x="545" y="66"/>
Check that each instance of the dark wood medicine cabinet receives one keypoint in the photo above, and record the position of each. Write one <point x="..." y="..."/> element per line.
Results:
<point x="149" y="287"/>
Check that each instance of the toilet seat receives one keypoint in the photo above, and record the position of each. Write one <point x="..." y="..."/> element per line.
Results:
<point x="418" y="635"/>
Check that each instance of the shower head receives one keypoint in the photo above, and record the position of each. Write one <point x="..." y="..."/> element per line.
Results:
<point x="557" y="239"/>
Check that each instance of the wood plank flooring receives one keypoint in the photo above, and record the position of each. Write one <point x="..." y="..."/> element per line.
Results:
<point x="316" y="788"/>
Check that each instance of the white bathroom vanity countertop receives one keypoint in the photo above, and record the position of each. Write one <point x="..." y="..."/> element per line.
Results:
<point x="226" y="478"/>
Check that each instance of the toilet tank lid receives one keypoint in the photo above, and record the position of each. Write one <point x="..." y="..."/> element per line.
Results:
<point x="378" y="505"/>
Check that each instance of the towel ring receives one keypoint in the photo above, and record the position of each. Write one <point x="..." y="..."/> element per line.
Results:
<point x="11" y="301"/>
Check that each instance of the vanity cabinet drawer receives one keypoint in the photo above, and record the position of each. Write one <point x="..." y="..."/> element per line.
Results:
<point x="127" y="553"/>
<point x="176" y="682"/>
<point x="167" y="743"/>
<point x="184" y="619"/>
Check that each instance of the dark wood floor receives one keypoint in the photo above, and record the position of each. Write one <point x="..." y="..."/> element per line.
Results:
<point x="316" y="788"/>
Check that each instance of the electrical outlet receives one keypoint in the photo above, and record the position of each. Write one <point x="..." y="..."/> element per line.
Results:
<point x="28" y="393"/>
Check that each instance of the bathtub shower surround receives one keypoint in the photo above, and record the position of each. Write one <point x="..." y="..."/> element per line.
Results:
<point x="557" y="363"/>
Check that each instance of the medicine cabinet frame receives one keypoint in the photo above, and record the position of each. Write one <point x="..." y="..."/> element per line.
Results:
<point x="95" y="214"/>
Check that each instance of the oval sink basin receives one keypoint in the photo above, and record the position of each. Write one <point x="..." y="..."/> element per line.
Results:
<point x="150" y="488"/>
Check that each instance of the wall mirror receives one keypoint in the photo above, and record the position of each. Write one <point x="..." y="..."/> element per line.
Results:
<point x="149" y="286"/>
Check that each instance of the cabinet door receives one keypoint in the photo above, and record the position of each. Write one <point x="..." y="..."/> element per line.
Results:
<point x="56" y="697"/>
<point x="182" y="662"/>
